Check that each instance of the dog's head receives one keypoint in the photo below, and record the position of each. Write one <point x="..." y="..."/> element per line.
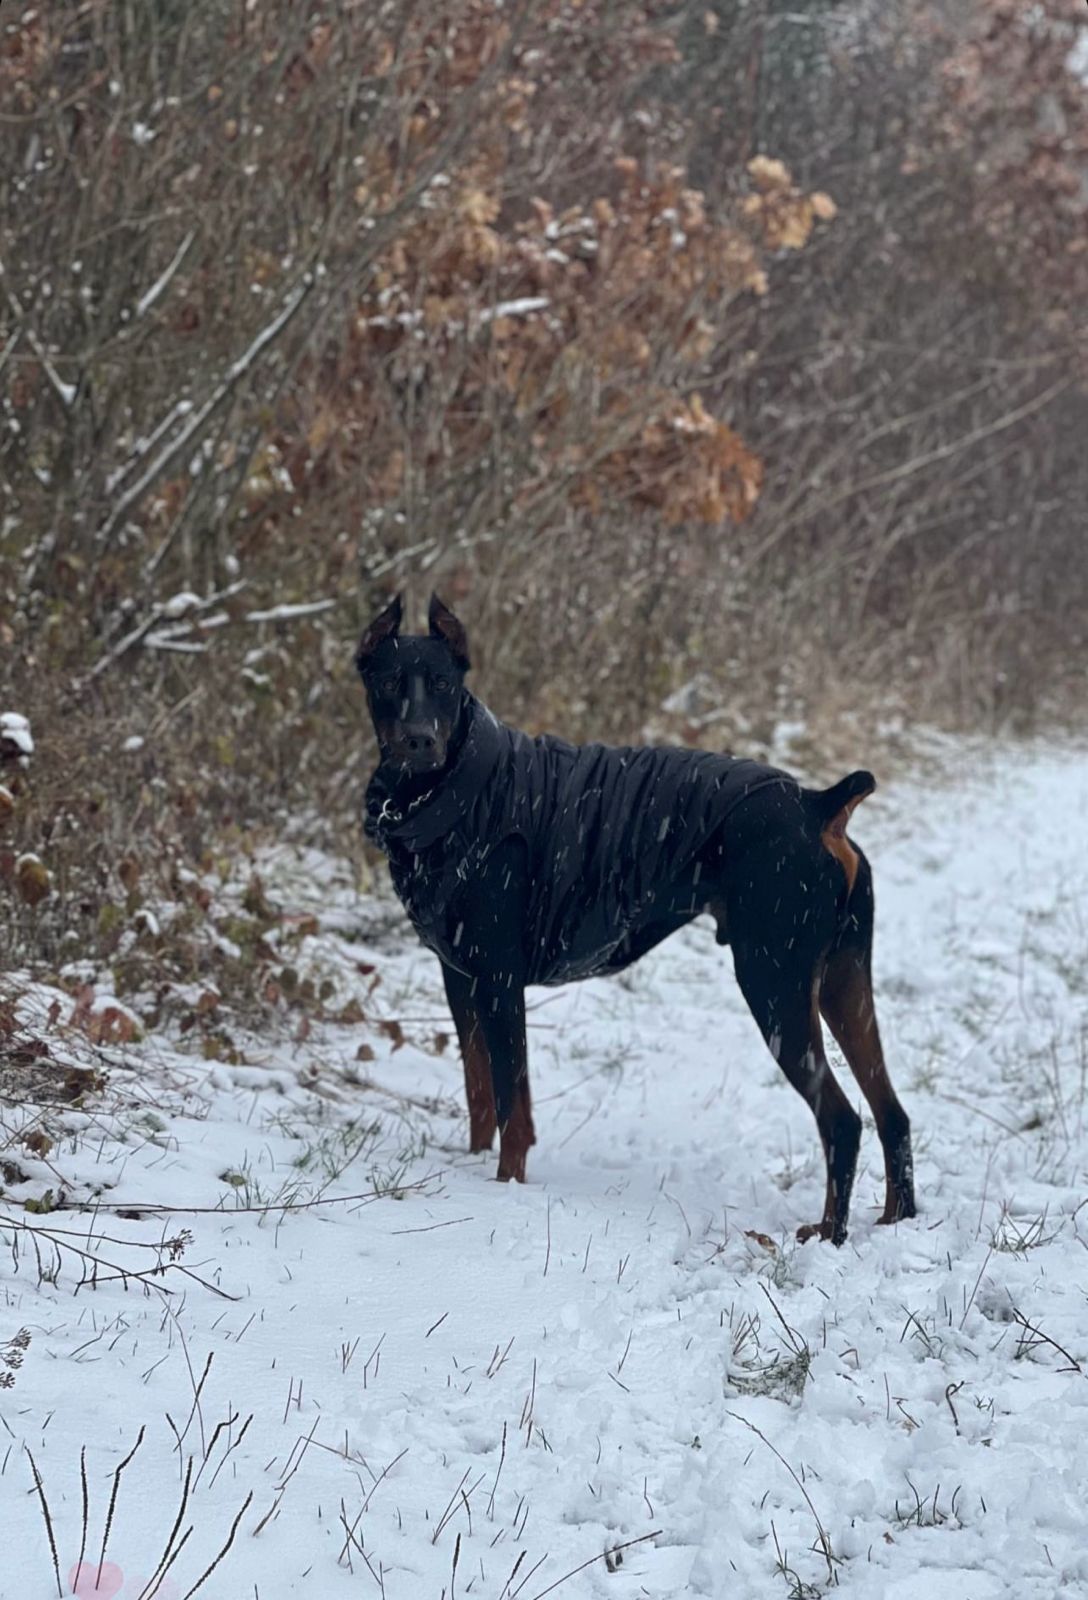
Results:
<point x="414" y="685"/>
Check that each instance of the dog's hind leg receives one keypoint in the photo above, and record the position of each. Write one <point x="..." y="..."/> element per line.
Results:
<point x="478" y="1091"/>
<point x="846" y="1000"/>
<point x="778" y="962"/>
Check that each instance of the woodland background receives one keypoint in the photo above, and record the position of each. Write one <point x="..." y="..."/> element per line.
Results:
<point x="720" y="363"/>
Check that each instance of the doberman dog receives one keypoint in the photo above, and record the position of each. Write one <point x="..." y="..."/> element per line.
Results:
<point x="524" y="861"/>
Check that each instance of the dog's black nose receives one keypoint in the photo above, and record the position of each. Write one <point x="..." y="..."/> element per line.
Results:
<point x="419" y="746"/>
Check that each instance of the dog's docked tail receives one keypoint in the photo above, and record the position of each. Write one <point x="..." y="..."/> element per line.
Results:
<point x="842" y="797"/>
<point x="833" y="808"/>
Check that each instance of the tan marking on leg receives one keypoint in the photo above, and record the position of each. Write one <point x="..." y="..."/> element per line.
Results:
<point x="846" y="1000"/>
<point x="516" y="1137"/>
<point x="830" y="1089"/>
<point x="478" y="1091"/>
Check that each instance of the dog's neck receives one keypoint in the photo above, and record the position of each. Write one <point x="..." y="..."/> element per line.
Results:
<point x="407" y="787"/>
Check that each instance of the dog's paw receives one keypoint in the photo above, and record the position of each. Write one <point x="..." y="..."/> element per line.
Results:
<point x="821" y="1230"/>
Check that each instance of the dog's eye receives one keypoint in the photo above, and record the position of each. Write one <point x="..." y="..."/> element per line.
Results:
<point x="388" y="683"/>
<point x="441" y="683"/>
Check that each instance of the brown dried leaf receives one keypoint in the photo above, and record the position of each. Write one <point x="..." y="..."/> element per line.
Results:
<point x="128" y="870"/>
<point x="764" y="1241"/>
<point x="768" y="174"/>
<point x="79" y="1081"/>
<point x="32" y="880"/>
<point x="110" y="1026"/>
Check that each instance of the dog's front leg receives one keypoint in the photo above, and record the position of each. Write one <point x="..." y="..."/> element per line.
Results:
<point x="488" y="1004"/>
<point x="460" y="992"/>
<point x="500" y="1007"/>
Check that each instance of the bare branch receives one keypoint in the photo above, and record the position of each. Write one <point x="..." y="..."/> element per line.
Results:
<point x="267" y="337"/>
<point x="162" y="283"/>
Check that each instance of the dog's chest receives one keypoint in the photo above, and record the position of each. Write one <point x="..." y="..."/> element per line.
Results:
<point x="431" y="885"/>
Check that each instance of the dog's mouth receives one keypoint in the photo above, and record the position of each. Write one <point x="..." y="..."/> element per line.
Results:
<point x="413" y="761"/>
<point x="417" y="768"/>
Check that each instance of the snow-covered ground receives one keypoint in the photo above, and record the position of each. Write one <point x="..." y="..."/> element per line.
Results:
<point x="624" y="1379"/>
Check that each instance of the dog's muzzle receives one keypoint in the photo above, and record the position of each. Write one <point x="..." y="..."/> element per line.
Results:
<point x="417" y="749"/>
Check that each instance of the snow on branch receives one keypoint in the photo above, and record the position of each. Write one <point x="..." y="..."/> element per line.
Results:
<point x="162" y="282"/>
<point x="164" y="609"/>
<point x="196" y="420"/>
<point x="170" y="621"/>
<point x="65" y="392"/>
<point x="287" y="613"/>
<point x="140" y="449"/>
<point x="409" y="320"/>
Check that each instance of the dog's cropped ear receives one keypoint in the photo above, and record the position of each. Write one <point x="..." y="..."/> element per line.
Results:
<point x="445" y="626"/>
<point x="386" y="625"/>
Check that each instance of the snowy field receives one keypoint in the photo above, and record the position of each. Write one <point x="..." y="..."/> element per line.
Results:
<point x="624" y="1379"/>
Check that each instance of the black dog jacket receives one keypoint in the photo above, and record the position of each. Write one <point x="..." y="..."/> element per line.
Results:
<point x="608" y="831"/>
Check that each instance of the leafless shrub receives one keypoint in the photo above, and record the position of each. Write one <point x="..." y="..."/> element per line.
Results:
<point x="301" y="304"/>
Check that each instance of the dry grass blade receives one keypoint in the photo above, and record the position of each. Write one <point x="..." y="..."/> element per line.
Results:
<point x="85" y="1505"/>
<point x="605" y="1555"/>
<point x="154" y="1208"/>
<point x="40" y="1489"/>
<point x="169" y="1549"/>
<point x="823" y="1538"/>
<point x="206" y="1574"/>
<point x="113" y="1496"/>
<point x="498" y="1474"/>
<point x="95" y="1269"/>
<point x="1033" y="1336"/>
